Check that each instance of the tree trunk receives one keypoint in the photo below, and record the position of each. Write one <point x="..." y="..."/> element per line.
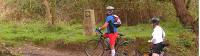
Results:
<point x="182" y="13"/>
<point x="186" y="19"/>
<point x="53" y="12"/>
<point x="48" y="12"/>
<point x="195" y="28"/>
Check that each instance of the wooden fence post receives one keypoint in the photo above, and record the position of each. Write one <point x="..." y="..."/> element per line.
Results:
<point x="89" y="22"/>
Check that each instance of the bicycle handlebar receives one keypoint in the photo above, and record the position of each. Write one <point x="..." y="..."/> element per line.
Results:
<point x="99" y="31"/>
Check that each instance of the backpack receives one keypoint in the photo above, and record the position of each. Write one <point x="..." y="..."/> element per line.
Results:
<point x="117" y="22"/>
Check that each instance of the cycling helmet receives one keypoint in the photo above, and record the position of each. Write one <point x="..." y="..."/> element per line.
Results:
<point x="110" y="8"/>
<point x="155" y="20"/>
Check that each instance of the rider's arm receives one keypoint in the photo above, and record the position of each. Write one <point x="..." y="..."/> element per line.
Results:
<point x="163" y="33"/>
<point x="153" y="39"/>
<point x="104" y="26"/>
<point x="106" y="23"/>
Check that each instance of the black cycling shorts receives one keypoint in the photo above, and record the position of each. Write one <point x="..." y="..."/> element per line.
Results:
<point x="157" y="48"/>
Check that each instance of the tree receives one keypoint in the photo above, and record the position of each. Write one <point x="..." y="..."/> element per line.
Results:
<point x="48" y="12"/>
<point x="182" y="12"/>
<point x="186" y="19"/>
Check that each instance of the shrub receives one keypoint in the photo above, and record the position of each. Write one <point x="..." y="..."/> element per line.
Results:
<point x="186" y="39"/>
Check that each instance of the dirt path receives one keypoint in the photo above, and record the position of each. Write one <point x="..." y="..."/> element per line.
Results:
<point x="135" y="48"/>
<point x="52" y="49"/>
<point x="30" y="50"/>
<point x="33" y="50"/>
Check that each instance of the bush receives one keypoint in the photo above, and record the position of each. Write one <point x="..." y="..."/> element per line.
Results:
<point x="186" y="39"/>
<point x="29" y="9"/>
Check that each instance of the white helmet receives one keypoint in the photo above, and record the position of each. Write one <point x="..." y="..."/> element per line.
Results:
<point x="110" y="8"/>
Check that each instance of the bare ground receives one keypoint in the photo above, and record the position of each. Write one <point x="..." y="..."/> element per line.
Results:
<point x="32" y="50"/>
<point x="59" y="48"/>
<point x="49" y="50"/>
<point x="137" y="47"/>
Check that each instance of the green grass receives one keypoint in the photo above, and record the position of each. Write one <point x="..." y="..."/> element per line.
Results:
<point x="41" y="32"/>
<point x="172" y="29"/>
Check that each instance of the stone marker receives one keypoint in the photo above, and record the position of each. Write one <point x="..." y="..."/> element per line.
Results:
<point x="89" y="22"/>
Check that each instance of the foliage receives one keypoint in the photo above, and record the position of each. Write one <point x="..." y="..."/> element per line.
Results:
<point x="134" y="11"/>
<point x="74" y="32"/>
<point x="39" y="33"/>
<point x="31" y="9"/>
<point x="186" y="39"/>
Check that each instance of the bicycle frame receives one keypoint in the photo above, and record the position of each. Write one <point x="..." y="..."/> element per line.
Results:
<point x="102" y="38"/>
<point x="104" y="45"/>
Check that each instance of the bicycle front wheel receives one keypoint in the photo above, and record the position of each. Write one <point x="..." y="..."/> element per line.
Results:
<point x="94" y="48"/>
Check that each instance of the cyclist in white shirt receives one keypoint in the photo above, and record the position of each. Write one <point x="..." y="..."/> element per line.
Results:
<point x="157" y="37"/>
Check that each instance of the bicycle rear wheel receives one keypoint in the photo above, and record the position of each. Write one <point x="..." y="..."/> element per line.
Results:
<point x="121" y="47"/>
<point x="121" y="52"/>
<point x="94" y="48"/>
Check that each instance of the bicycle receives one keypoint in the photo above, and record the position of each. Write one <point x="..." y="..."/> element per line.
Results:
<point x="163" y="52"/>
<point x="99" y="46"/>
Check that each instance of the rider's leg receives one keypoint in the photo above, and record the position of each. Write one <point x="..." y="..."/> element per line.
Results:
<point x="162" y="47"/>
<point x="156" y="50"/>
<point x="155" y="54"/>
<point x="112" y="52"/>
<point x="112" y="38"/>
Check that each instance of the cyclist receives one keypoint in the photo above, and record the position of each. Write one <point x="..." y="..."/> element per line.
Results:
<point x="112" y="31"/>
<point x="158" y="37"/>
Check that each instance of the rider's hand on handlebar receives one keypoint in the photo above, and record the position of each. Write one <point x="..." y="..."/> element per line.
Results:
<point x="149" y="41"/>
<point x="97" y="29"/>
